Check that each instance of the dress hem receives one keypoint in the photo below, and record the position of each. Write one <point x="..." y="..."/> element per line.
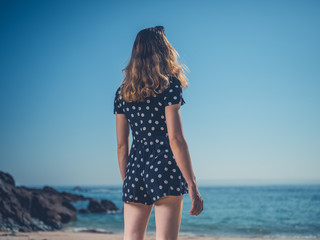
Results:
<point x="186" y="191"/>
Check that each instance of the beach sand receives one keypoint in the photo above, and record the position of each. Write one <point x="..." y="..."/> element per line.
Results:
<point x="64" y="235"/>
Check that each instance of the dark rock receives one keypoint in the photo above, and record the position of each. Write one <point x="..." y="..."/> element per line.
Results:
<point x="95" y="206"/>
<point x="6" y="178"/>
<point x="73" y="197"/>
<point x="79" y="189"/>
<point x="31" y="209"/>
<point x="68" y="205"/>
<point x="110" y="206"/>
<point x="50" y="190"/>
<point x="104" y="206"/>
<point x="82" y="210"/>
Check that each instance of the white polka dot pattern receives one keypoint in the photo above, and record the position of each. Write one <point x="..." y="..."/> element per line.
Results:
<point x="151" y="170"/>
<point x="171" y="96"/>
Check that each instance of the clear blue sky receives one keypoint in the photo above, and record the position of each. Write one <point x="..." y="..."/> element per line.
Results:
<point x="252" y="107"/>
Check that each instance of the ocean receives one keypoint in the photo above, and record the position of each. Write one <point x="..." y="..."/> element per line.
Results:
<point x="269" y="211"/>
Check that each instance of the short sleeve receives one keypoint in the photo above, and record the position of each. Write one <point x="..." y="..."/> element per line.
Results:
<point x="173" y="95"/>
<point x="117" y="107"/>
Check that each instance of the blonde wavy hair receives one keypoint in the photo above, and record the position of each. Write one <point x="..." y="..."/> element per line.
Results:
<point x="153" y="60"/>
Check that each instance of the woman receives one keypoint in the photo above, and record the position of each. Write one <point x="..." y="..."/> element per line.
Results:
<point x="157" y="170"/>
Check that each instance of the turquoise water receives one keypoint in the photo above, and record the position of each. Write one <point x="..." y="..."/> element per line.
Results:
<point x="243" y="211"/>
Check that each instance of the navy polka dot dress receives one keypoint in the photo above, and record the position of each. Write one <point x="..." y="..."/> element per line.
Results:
<point x="151" y="170"/>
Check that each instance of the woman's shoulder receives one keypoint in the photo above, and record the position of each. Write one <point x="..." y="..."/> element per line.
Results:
<point x="117" y="94"/>
<point x="174" y="82"/>
<point x="118" y="89"/>
<point x="173" y="79"/>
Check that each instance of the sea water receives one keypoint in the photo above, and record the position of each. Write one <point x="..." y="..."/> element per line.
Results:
<point x="233" y="211"/>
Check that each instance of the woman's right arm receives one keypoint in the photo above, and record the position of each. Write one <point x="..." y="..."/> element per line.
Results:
<point x="181" y="154"/>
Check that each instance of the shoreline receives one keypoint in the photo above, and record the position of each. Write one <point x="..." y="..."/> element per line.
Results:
<point x="109" y="235"/>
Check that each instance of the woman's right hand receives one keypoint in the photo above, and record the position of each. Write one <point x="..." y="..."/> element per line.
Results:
<point x="196" y="199"/>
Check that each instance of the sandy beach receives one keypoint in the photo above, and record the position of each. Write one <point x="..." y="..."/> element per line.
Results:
<point x="65" y="235"/>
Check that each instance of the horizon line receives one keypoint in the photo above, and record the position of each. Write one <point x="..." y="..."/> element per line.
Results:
<point x="203" y="182"/>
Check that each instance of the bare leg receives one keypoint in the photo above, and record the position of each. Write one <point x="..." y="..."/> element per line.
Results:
<point x="168" y="211"/>
<point x="136" y="218"/>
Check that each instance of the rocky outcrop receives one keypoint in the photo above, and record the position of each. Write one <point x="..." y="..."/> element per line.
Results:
<point x="79" y="189"/>
<point x="104" y="206"/>
<point x="30" y="209"/>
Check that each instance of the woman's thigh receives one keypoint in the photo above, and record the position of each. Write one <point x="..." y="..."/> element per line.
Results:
<point x="168" y="211"/>
<point x="136" y="218"/>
